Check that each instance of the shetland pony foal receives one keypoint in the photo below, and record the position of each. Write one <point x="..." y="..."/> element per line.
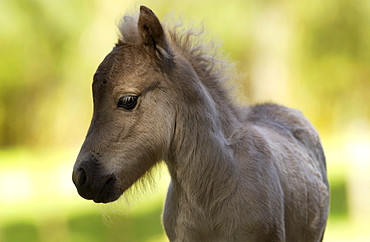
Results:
<point x="238" y="174"/>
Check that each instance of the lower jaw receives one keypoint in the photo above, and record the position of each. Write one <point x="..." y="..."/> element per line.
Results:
<point x="106" y="199"/>
<point x="108" y="196"/>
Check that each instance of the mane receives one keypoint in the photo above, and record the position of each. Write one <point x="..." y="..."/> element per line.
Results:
<point x="213" y="69"/>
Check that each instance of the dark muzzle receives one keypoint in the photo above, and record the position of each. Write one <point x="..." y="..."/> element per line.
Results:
<point x="93" y="184"/>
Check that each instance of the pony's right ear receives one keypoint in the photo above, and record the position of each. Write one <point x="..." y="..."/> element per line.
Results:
<point x="152" y="32"/>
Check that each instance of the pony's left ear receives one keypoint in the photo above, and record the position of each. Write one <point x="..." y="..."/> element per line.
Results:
<point x="152" y="32"/>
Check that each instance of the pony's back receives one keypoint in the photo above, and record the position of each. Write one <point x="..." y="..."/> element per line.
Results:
<point x="301" y="164"/>
<point x="291" y="122"/>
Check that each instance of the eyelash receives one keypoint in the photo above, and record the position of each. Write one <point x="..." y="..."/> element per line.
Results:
<point x="128" y="102"/>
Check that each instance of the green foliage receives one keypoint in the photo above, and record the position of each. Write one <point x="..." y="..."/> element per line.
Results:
<point x="38" y="45"/>
<point x="334" y="61"/>
<point x="46" y="62"/>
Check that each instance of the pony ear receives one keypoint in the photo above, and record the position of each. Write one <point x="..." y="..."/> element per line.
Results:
<point x="152" y="32"/>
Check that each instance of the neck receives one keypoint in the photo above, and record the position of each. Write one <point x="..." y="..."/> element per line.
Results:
<point x="201" y="163"/>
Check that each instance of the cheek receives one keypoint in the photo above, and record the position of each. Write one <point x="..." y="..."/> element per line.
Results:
<point x="126" y="129"/>
<point x="158" y="124"/>
<point x="124" y="125"/>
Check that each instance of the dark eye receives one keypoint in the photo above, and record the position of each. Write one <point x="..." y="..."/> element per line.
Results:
<point x="128" y="102"/>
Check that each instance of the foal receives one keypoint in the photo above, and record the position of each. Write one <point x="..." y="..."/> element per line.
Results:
<point x="255" y="173"/>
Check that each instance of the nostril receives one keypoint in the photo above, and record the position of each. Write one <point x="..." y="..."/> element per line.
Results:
<point x="81" y="176"/>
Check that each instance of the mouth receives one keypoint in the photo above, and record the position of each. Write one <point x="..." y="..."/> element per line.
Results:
<point x="109" y="193"/>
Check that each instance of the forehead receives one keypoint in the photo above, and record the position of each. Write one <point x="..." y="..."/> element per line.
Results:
<point x="124" y="63"/>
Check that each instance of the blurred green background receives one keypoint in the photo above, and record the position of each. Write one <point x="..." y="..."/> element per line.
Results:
<point x="309" y="54"/>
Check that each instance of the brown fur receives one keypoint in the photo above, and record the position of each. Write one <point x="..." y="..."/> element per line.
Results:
<point x="238" y="173"/>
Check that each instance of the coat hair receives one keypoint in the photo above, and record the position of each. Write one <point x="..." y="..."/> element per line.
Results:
<point x="253" y="173"/>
